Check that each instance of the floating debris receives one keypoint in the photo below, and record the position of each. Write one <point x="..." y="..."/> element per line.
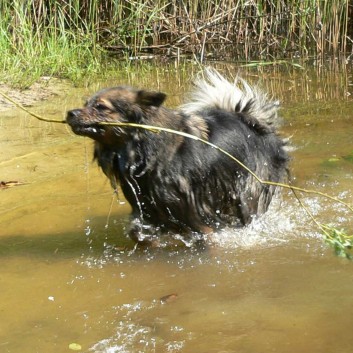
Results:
<point x="75" y="346"/>
<point x="9" y="184"/>
<point x="169" y="298"/>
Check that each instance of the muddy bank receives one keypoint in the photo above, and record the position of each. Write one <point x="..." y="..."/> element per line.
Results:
<point x="44" y="88"/>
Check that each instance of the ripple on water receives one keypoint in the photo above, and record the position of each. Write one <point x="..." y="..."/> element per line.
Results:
<point x="131" y="336"/>
<point x="142" y="326"/>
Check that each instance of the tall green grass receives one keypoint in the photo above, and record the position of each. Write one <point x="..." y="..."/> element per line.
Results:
<point x="33" y="45"/>
<point x="79" y="38"/>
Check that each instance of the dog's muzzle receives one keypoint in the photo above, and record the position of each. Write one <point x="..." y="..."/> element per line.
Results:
<point x="81" y="126"/>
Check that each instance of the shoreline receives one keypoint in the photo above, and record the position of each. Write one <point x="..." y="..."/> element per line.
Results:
<point x="43" y="89"/>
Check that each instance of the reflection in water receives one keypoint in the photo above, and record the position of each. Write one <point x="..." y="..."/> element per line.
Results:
<point x="271" y="287"/>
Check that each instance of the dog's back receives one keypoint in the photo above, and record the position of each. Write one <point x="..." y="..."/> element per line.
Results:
<point x="177" y="183"/>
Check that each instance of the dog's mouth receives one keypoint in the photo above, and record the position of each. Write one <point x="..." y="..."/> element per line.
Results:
<point x="83" y="127"/>
<point x="93" y="130"/>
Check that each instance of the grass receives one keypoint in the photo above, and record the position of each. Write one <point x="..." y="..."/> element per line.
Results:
<point x="79" y="39"/>
<point x="31" y="51"/>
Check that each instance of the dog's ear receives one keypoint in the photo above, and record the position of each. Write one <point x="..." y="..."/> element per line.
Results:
<point x="148" y="98"/>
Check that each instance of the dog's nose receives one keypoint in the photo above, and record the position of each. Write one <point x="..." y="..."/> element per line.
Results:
<point x="72" y="115"/>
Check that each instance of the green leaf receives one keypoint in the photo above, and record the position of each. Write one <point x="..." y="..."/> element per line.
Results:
<point x="341" y="242"/>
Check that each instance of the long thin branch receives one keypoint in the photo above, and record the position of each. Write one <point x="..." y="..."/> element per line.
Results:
<point x="265" y="182"/>
<point x="319" y="225"/>
<point x="157" y="129"/>
<point x="18" y="105"/>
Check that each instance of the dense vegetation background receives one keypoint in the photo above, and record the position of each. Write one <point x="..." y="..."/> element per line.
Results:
<point x="72" y="38"/>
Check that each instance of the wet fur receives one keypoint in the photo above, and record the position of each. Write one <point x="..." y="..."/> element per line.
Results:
<point x="174" y="182"/>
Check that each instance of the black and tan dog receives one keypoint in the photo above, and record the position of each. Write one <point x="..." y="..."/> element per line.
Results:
<point x="178" y="184"/>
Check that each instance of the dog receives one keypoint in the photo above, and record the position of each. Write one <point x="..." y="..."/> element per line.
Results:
<point x="175" y="183"/>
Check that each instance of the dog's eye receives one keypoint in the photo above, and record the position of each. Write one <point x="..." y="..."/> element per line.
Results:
<point x="101" y="106"/>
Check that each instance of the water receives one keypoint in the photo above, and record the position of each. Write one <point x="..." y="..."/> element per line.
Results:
<point x="69" y="273"/>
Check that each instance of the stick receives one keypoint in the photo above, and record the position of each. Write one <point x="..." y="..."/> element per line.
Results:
<point x="265" y="182"/>
<point x="18" y="105"/>
<point x="156" y="129"/>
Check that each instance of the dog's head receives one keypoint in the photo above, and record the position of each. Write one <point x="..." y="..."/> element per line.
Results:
<point x="115" y="105"/>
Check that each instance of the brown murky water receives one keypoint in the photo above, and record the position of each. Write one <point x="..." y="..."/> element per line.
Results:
<point x="70" y="275"/>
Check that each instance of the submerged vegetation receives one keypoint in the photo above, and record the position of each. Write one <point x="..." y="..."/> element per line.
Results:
<point x="73" y="39"/>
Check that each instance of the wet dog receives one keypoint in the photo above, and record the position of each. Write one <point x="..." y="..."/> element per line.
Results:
<point x="176" y="183"/>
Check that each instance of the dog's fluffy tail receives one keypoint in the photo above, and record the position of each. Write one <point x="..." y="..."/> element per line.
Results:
<point x="212" y="90"/>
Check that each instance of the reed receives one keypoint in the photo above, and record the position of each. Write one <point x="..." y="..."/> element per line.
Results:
<point x="75" y="38"/>
<point x="339" y="240"/>
<point x="37" y="41"/>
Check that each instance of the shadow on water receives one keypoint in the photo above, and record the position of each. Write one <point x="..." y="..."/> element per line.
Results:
<point x="63" y="246"/>
<point x="271" y="287"/>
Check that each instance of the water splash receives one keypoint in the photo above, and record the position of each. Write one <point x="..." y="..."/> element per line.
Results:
<point x="285" y="221"/>
<point x="133" y="337"/>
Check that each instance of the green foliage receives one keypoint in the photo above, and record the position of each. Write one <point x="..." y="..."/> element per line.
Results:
<point x="75" y="39"/>
<point x="31" y="48"/>
<point x="341" y="243"/>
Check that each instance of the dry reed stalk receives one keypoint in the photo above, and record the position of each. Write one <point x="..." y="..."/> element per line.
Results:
<point x="338" y="239"/>
<point x="158" y="129"/>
